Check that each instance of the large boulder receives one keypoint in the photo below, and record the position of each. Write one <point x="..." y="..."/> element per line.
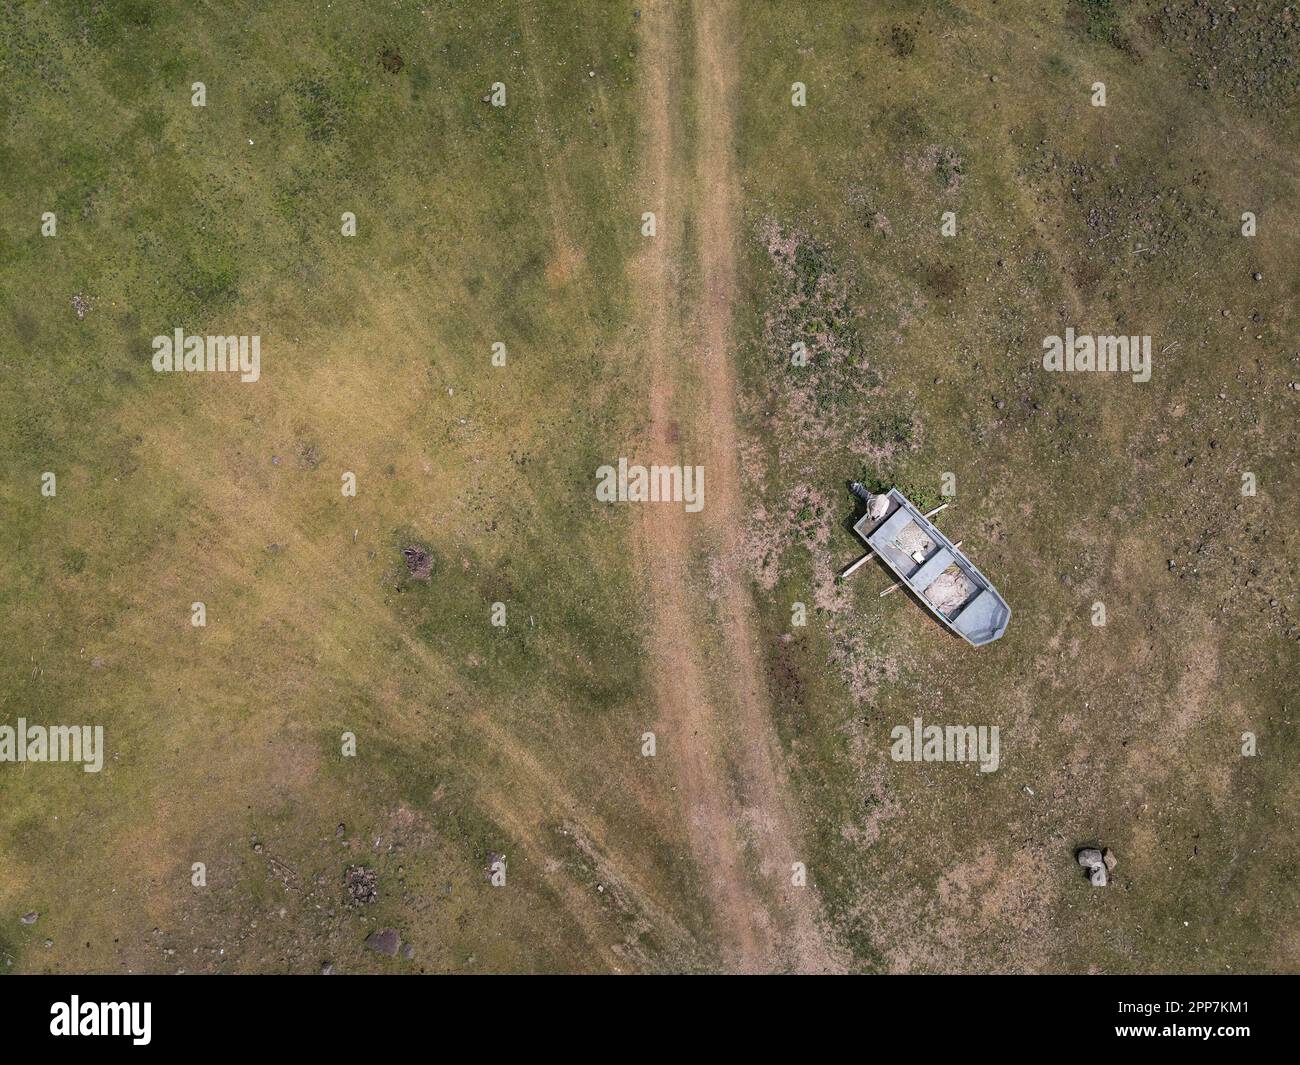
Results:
<point x="385" y="941"/>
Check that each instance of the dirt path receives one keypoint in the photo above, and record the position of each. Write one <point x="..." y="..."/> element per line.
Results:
<point x="709" y="674"/>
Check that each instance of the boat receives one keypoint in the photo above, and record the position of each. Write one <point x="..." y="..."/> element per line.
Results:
<point x="931" y="566"/>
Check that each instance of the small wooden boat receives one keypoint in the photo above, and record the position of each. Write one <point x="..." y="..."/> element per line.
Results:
<point x="931" y="566"/>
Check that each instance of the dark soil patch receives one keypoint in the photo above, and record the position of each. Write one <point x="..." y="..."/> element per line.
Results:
<point x="418" y="562"/>
<point x="785" y="679"/>
<point x="942" y="280"/>
<point x="309" y="456"/>
<point x="902" y="41"/>
<point x="391" y="60"/>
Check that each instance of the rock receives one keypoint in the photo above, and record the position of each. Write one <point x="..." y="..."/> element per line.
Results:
<point x="408" y="951"/>
<point x="385" y="941"/>
<point x="327" y="969"/>
<point x="1257" y="276"/>
<point x="29" y="918"/>
<point x="1098" y="875"/>
<point x="1090" y="858"/>
<point x="338" y="832"/>
<point x="1111" y="861"/>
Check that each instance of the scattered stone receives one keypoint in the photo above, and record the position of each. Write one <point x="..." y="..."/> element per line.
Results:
<point x="327" y="969"/>
<point x="338" y="832"/>
<point x="29" y="918"/>
<point x="1111" y="861"/>
<point x="1257" y="276"/>
<point x="1097" y="864"/>
<point x="408" y="951"/>
<point x="385" y="941"/>
<point x="81" y="305"/>
<point x="362" y="885"/>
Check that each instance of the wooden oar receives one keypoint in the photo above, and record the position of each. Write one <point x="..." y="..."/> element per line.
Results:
<point x="855" y="565"/>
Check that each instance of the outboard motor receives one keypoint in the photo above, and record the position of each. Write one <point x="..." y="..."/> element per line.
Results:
<point x="860" y="490"/>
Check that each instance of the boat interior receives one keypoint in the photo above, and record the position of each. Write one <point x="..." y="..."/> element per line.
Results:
<point x="936" y="571"/>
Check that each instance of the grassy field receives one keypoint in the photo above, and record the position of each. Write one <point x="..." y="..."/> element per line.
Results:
<point x="521" y="225"/>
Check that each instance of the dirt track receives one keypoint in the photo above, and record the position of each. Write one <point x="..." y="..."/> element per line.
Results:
<point x="713" y="709"/>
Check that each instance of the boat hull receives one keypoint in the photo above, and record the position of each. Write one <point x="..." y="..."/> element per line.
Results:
<point x="934" y="569"/>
